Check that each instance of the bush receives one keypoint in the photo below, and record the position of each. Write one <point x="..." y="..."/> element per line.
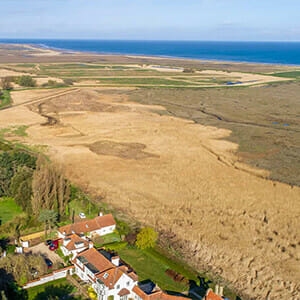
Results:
<point x="123" y="228"/>
<point x="26" y="81"/>
<point x="5" y="83"/>
<point x="11" y="249"/>
<point x="131" y="238"/>
<point x="68" y="81"/>
<point x="188" y="70"/>
<point x="146" y="238"/>
<point x="53" y="83"/>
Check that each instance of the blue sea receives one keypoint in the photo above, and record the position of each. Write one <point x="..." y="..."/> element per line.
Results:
<point x="261" y="52"/>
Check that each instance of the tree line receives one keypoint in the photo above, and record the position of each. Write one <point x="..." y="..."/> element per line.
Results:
<point x="34" y="183"/>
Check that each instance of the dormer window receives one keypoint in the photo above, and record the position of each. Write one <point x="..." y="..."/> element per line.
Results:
<point x="86" y="225"/>
<point x="105" y="275"/>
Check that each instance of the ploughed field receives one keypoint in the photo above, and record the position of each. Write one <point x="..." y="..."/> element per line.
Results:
<point x="169" y="158"/>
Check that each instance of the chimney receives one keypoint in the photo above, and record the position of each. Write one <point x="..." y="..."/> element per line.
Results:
<point x="217" y="289"/>
<point x="100" y="214"/>
<point x="115" y="260"/>
<point x="221" y="291"/>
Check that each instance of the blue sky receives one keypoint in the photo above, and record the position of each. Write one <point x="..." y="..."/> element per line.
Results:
<point x="258" y="20"/>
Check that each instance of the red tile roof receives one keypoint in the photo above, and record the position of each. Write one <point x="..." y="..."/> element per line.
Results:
<point x="123" y="292"/>
<point x="157" y="295"/>
<point x="97" y="259"/>
<point x="88" y="225"/>
<point x="210" y="295"/>
<point x="111" y="277"/>
<point x="75" y="239"/>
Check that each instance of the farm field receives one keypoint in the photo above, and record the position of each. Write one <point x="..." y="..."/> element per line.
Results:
<point x="136" y="75"/>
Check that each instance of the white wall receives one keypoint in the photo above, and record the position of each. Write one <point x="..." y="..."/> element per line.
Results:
<point x="105" y="230"/>
<point x="53" y="276"/>
<point x="122" y="283"/>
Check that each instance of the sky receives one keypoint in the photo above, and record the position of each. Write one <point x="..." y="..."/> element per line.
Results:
<point x="232" y="20"/>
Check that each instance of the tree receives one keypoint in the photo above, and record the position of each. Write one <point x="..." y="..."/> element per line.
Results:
<point x="50" y="190"/>
<point x="17" y="231"/>
<point x="5" y="83"/>
<point x="146" y="238"/>
<point x="49" y="217"/>
<point x="26" y="81"/>
<point x="20" y="267"/>
<point x="21" y="187"/>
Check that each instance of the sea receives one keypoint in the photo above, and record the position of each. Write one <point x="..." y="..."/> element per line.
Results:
<point x="287" y="53"/>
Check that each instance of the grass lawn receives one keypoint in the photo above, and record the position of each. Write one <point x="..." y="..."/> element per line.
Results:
<point x="8" y="209"/>
<point x="150" y="264"/>
<point x="107" y="239"/>
<point x="60" y="288"/>
<point x="77" y="206"/>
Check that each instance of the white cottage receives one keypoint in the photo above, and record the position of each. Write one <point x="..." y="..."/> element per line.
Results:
<point x="112" y="280"/>
<point x="100" y="225"/>
<point x="74" y="244"/>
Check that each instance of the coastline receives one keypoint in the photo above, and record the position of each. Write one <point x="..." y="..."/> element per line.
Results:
<point x="43" y="46"/>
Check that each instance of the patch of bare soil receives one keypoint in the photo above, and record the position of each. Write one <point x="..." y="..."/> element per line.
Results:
<point x="219" y="217"/>
<point x="122" y="150"/>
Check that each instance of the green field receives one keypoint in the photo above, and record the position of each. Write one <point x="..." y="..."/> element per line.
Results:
<point x="58" y="289"/>
<point x="5" y="100"/>
<point x="292" y="74"/>
<point x="8" y="209"/>
<point x="150" y="80"/>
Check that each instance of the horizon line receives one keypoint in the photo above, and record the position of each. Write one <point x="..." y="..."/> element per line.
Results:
<point x="153" y="40"/>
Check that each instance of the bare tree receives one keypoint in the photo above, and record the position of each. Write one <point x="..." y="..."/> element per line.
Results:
<point x="5" y="83"/>
<point x="49" y="188"/>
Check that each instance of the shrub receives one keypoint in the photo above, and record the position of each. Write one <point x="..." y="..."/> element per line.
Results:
<point x="188" y="70"/>
<point x="5" y="83"/>
<point x="26" y="81"/>
<point x="131" y="238"/>
<point x="68" y="81"/>
<point x="146" y="238"/>
<point x="53" y="83"/>
<point x="11" y="249"/>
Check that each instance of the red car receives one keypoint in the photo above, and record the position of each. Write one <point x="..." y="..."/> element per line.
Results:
<point x="54" y="245"/>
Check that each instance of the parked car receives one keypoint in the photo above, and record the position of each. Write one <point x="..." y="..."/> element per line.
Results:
<point x="82" y="215"/>
<point x="54" y="245"/>
<point x="48" y="263"/>
<point x="48" y="242"/>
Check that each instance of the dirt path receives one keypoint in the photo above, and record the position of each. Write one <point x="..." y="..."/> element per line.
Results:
<point x="45" y="252"/>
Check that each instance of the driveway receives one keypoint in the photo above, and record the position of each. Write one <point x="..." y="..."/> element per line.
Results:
<point x="44" y="251"/>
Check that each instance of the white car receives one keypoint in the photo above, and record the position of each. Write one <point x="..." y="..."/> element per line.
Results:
<point x="82" y="215"/>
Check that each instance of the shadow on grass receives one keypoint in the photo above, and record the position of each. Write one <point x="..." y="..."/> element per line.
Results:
<point x="56" y="292"/>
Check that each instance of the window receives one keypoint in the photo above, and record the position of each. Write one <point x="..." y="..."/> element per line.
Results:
<point x="127" y="283"/>
<point x="105" y="275"/>
<point x="123" y="297"/>
<point x="118" y="286"/>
